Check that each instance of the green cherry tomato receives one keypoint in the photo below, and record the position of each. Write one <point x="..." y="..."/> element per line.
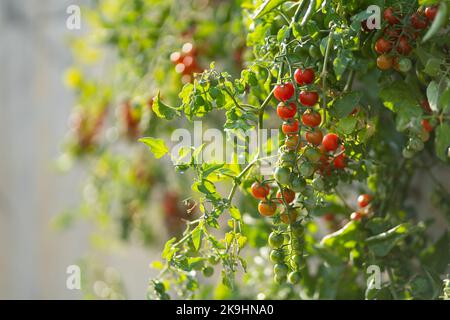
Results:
<point x="318" y="184"/>
<point x="276" y="240"/>
<point x="294" y="277"/>
<point x="282" y="175"/>
<point x="306" y="169"/>
<point x="314" y="52"/>
<point x="312" y="154"/>
<point x="279" y="279"/>
<point x="276" y="256"/>
<point x="281" y="269"/>
<point x="416" y="144"/>
<point x="208" y="271"/>
<point x="298" y="184"/>
<point x="404" y="64"/>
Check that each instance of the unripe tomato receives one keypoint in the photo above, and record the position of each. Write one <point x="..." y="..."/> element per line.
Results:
<point x="208" y="271"/>
<point x="289" y="157"/>
<point x="288" y="195"/>
<point x="314" y="137"/>
<point x="318" y="184"/>
<point x="286" y="111"/>
<point x="416" y="144"/>
<point x="276" y="256"/>
<point x="284" y="92"/>
<point x="312" y="154"/>
<point x="430" y="12"/>
<point x="290" y="127"/>
<point x="356" y="216"/>
<point x="311" y="118"/>
<point x="426" y="125"/>
<point x="384" y="62"/>
<point x="306" y="169"/>
<point x="330" y="142"/>
<point x="383" y="46"/>
<point x="403" y="46"/>
<point x="282" y="175"/>
<point x="340" y="161"/>
<point x="364" y="200"/>
<point x="290" y="217"/>
<point x="303" y="77"/>
<point x="292" y="141"/>
<point x="294" y="277"/>
<point x="314" y="52"/>
<point x="402" y="64"/>
<point x="276" y="240"/>
<point x="419" y="22"/>
<point x="308" y="98"/>
<point x="260" y="190"/>
<point x="267" y="208"/>
<point x="298" y="184"/>
<point x="281" y="269"/>
<point x="390" y="16"/>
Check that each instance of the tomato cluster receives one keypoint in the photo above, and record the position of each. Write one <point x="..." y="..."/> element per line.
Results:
<point x="399" y="36"/>
<point x="186" y="62"/>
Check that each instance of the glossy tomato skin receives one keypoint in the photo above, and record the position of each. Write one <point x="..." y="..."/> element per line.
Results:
<point x="286" y="111"/>
<point x="390" y="16"/>
<point x="284" y="92"/>
<point x="311" y="119"/>
<point x="314" y="137"/>
<point x="385" y="62"/>
<point x="426" y="125"/>
<point x="383" y="46"/>
<point x="356" y="216"/>
<point x="290" y="217"/>
<point x="292" y="141"/>
<point x="288" y="195"/>
<point x="364" y="200"/>
<point x="419" y="22"/>
<point x="330" y="142"/>
<point x="308" y="98"/>
<point x="340" y="162"/>
<point x="303" y="77"/>
<point x="430" y="13"/>
<point x="260" y="190"/>
<point x="290" y="127"/>
<point x="267" y="208"/>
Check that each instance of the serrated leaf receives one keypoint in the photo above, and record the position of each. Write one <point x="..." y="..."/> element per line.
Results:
<point x="157" y="146"/>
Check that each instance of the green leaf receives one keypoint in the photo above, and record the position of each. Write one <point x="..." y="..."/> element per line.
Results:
<point x="157" y="146"/>
<point x="383" y="243"/>
<point x="162" y="110"/>
<point x="433" y="95"/>
<point x="439" y="21"/>
<point x="197" y="236"/>
<point x="347" y="125"/>
<point x="235" y="213"/>
<point x="437" y="255"/>
<point x="266" y="7"/>
<point x="345" y="104"/>
<point x="443" y="141"/>
<point x="169" y="251"/>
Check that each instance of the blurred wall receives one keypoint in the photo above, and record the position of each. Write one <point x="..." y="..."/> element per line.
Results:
<point x="33" y="120"/>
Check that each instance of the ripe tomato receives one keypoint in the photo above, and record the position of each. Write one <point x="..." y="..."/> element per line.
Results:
<point x="419" y="22"/>
<point x="330" y="142"/>
<point x="290" y="127"/>
<point x="314" y="137"/>
<point x="426" y="106"/>
<point x="311" y="118"/>
<point x="383" y="46"/>
<point x="403" y="46"/>
<point x="284" y="92"/>
<point x="288" y="195"/>
<point x="340" y="161"/>
<point x="430" y="12"/>
<point x="384" y="62"/>
<point x="303" y="77"/>
<point x="328" y="217"/>
<point x="176" y="57"/>
<point x="291" y="142"/>
<point x="290" y="217"/>
<point x="260" y="190"/>
<point x="364" y="200"/>
<point x="390" y="16"/>
<point x="426" y="125"/>
<point x="356" y="216"/>
<point x="308" y="98"/>
<point x="286" y="111"/>
<point x="392" y="33"/>
<point x="267" y="208"/>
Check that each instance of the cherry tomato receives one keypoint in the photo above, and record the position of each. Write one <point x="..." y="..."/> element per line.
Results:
<point x="312" y="154"/>
<point x="356" y="216"/>
<point x="311" y="118"/>
<point x="383" y="46"/>
<point x="176" y="57"/>
<point x="303" y="77"/>
<point x="267" y="208"/>
<point x="430" y="12"/>
<point x="426" y="125"/>
<point x="426" y="106"/>
<point x="364" y="200"/>
<point x="276" y="256"/>
<point x="392" y="33"/>
<point x="419" y="22"/>
<point x="288" y="195"/>
<point x="314" y="137"/>
<point x="282" y="175"/>
<point x="402" y="64"/>
<point x="276" y="240"/>
<point x="280" y="270"/>
<point x="286" y="111"/>
<point x="328" y="217"/>
<point x="294" y="277"/>
<point x="340" y="162"/>
<point x="289" y="218"/>
<point x="403" y="46"/>
<point x="390" y="16"/>
<point x="260" y="190"/>
<point x="384" y="62"/>
<point x="292" y="142"/>
<point x="290" y="127"/>
<point x="308" y="98"/>
<point x="284" y="92"/>
<point x="330" y="142"/>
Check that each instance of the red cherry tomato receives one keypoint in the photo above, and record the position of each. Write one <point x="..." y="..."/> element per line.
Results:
<point x="314" y="137"/>
<point x="260" y="190"/>
<point x="289" y="128"/>
<point x="392" y="33"/>
<point x="308" y="98"/>
<point x="404" y="47"/>
<point x="328" y="217"/>
<point x="330" y="142"/>
<point x="426" y="106"/>
<point x="292" y="142"/>
<point x="340" y="162"/>
<point x="385" y="62"/>
<point x="303" y="77"/>
<point x="419" y="22"/>
<point x="311" y="118"/>
<point x="430" y="12"/>
<point x="284" y="92"/>
<point x="383" y="46"/>
<point x="267" y="208"/>
<point x="288" y="195"/>
<point x="390" y="16"/>
<point x="364" y="200"/>
<point x="286" y="111"/>
<point x="426" y="125"/>
<point x="356" y="216"/>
